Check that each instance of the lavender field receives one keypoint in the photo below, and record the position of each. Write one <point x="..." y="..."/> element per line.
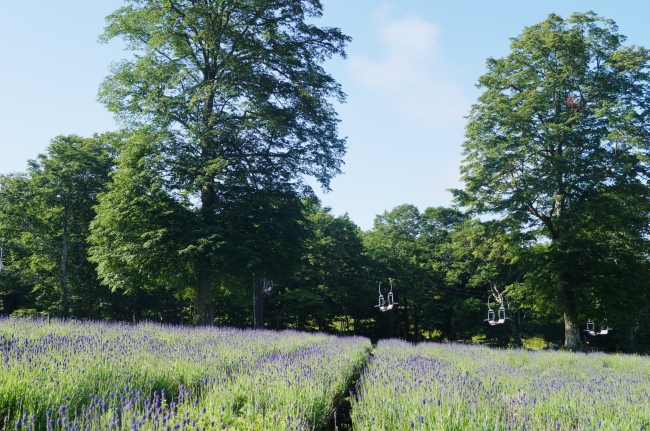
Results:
<point x="78" y="376"/>
<point x="459" y="387"/>
<point x="108" y="376"/>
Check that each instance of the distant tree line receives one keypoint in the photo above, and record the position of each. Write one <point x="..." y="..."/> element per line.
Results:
<point x="200" y="201"/>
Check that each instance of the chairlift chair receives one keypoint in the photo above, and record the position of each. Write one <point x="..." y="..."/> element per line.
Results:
<point x="500" y="317"/>
<point x="604" y="330"/>
<point x="491" y="320"/>
<point x="590" y="328"/>
<point x="391" y="300"/>
<point x="268" y="287"/>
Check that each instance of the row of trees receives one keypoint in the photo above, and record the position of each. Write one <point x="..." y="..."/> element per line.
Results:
<point x="226" y="109"/>
<point x="55" y="249"/>
<point x="443" y="264"/>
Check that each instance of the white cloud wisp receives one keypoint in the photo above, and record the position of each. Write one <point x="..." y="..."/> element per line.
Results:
<point x="411" y="73"/>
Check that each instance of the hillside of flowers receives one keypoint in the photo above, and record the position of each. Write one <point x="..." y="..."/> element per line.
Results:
<point x="460" y="387"/>
<point x="74" y="376"/>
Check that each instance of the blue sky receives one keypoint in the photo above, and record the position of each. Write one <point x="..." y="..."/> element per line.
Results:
<point x="409" y="77"/>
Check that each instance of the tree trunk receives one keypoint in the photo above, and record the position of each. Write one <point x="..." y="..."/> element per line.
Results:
<point x="203" y="314"/>
<point x="135" y="311"/>
<point x="571" y="331"/>
<point x="416" y="325"/>
<point x="516" y="324"/>
<point x="65" y="247"/>
<point x="630" y="336"/>
<point x="407" y="324"/>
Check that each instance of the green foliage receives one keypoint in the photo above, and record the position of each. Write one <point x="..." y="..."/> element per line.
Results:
<point x="434" y="269"/>
<point x="139" y="233"/>
<point x="327" y="292"/>
<point x="26" y="312"/>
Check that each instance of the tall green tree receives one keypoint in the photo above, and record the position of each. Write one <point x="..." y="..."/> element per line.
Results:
<point x="240" y="104"/>
<point x="557" y="147"/>
<point x="447" y="306"/>
<point x="326" y="292"/>
<point x="17" y="277"/>
<point x="45" y="217"/>
<point x="139" y="229"/>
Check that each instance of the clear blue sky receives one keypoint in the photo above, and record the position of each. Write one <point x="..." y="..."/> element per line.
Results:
<point x="409" y="77"/>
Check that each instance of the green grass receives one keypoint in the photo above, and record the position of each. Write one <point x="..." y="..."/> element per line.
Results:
<point x="535" y="343"/>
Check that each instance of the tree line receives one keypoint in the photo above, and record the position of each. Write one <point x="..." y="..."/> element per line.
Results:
<point x="200" y="200"/>
<point x="442" y="262"/>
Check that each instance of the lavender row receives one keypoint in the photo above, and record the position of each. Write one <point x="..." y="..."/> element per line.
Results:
<point x="65" y="375"/>
<point x="460" y="387"/>
<point x="284" y="391"/>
